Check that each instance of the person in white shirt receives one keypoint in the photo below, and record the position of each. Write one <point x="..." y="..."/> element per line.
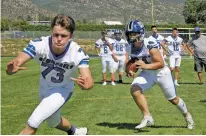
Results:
<point x="59" y="57"/>
<point x="119" y="50"/>
<point x="159" y="38"/>
<point x="174" y="46"/>
<point x="103" y="48"/>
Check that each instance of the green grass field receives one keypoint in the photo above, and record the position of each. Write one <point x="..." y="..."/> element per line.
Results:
<point x="105" y="110"/>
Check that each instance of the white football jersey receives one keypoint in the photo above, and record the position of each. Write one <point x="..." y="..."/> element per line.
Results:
<point x="119" y="47"/>
<point x="143" y="53"/>
<point x="159" y="38"/>
<point x="57" y="70"/>
<point x="103" y="45"/>
<point x="174" y="44"/>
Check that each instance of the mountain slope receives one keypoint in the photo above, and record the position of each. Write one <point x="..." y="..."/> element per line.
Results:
<point x="12" y="9"/>
<point x="123" y="10"/>
<point x="97" y="11"/>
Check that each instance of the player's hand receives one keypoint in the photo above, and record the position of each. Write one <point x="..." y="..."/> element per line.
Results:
<point x="115" y="57"/>
<point x="140" y="64"/>
<point x="107" y="39"/>
<point x="130" y="74"/>
<point x="12" y="67"/>
<point x="81" y="81"/>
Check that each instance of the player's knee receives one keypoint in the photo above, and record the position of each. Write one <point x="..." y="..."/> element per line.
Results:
<point x="177" y="69"/>
<point x="135" y="89"/>
<point x="175" y="100"/>
<point x="28" y="130"/>
<point x="171" y="69"/>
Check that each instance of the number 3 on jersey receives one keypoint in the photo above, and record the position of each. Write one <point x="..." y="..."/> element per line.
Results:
<point x="59" y="76"/>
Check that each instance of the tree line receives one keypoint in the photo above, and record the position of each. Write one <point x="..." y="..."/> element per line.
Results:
<point x="194" y="13"/>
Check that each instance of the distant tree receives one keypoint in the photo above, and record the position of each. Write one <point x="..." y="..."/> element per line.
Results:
<point x="20" y="18"/>
<point x="28" y="18"/>
<point x="4" y="24"/>
<point x="84" y="21"/>
<point x="195" y="11"/>
<point x="78" y="22"/>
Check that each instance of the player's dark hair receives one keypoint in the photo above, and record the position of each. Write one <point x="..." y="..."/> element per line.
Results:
<point x="174" y="29"/>
<point x="103" y="32"/>
<point x="64" y="21"/>
<point x="153" y="26"/>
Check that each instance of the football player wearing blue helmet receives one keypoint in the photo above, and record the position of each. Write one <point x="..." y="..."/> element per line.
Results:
<point x="154" y="71"/>
<point x="118" y="34"/>
<point x="119" y="50"/>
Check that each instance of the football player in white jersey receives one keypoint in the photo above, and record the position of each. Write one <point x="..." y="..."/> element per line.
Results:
<point x="154" y="71"/>
<point x="59" y="57"/>
<point x="119" y="50"/>
<point x="103" y="48"/>
<point x="174" y="46"/>
<point x="159" y="38"/>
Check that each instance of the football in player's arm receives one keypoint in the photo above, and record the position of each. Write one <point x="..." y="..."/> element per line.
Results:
<point x="154" y="71"/>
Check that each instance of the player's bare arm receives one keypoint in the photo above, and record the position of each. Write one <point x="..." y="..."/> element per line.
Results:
<point x="127" y="58"/>
<point x="97" y="50"/>
<point x="111" y="48"/>
<point x="163" y="44"/>
<point x="190" y="49"/>
<point x="14" y="65"/>
<point x="84" y="80"/>
<point x="157" y="61"/>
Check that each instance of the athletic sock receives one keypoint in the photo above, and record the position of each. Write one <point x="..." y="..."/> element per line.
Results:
<point x="182" y="106"/>
<point x="71" y="131"/>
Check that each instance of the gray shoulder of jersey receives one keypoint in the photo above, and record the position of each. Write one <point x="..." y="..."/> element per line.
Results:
<point x="180" y="38"/>
<point x="39" y="42"/>
<point x="98" y="41"/>
<point x="40" y="39"/>
<point x="161" y="36"/>
<point x="74" y="45"/>
<point x="150" y="43"/>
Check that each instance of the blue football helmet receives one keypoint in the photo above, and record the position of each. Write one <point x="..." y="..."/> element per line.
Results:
<point x="134" y="26"/>
<point x="117" y="31"/>
<point x="117" y="34"/>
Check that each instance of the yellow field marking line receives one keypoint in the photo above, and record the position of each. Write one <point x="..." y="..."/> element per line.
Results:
<point x="87" y="99"/>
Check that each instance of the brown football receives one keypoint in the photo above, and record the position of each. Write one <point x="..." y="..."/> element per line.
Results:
<point x="130" y="66"/>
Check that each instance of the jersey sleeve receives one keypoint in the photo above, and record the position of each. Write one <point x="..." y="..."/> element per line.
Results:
<point x="166" y="39"/>
<point x="83" y="58"/>
<point x="150" y="44"/>
<point x="181" y="41"/>
<point x="33" y="47"/>
<point x="161" y="38"/>
<point x="97" y="44"/>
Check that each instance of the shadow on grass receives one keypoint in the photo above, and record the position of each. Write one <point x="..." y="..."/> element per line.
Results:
<point x="118" y="125"/>
<point x="156" y="126"/>
<point x="190" y="83"/>
<point x="132" y="126"/>
<point x="202" y="100"/>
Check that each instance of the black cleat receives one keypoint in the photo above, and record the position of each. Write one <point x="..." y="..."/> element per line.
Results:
<point x="120" y="81"/>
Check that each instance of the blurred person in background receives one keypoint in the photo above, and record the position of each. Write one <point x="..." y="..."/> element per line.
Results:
<point x="197" y="46"/>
